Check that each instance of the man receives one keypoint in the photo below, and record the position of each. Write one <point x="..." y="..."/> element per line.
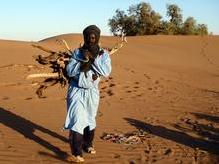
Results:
<point x="85" y="68"/>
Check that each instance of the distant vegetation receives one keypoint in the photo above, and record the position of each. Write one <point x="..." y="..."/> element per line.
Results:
<point x="142" y="20"/>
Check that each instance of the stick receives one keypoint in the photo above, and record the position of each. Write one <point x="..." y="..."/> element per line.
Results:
<point x="42" y="75"/>
<point x="62" y="41"/>
<point x="118" y="45"/>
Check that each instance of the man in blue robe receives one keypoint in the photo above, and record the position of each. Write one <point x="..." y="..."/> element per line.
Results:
<point x="86" y="67"/>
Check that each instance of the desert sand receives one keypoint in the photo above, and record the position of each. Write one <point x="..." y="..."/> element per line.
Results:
<point x="164" y="86"/>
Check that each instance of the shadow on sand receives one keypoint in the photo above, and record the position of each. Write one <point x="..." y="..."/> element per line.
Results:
<point x="207" y="117"/>
<point x="204" y="130"/>
<point x="27" y="128"/>
<point x="176" y="136"/>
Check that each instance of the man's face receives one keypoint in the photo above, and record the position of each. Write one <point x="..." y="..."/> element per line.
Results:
<point x="91" y="39"/>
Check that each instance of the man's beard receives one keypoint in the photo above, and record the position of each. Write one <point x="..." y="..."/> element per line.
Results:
<point x="93" y="49"/>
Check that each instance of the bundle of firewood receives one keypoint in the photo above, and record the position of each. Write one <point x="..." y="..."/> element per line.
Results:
<point x="57" y="61"/>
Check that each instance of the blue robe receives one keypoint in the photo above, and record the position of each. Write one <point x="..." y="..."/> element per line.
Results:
<point x="83" y="93"/>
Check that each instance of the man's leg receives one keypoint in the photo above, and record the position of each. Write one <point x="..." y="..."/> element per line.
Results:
<point x="88" y="140"/>
<point x="76" y="141"/>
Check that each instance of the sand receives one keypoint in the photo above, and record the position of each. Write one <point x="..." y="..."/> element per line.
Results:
<point x="165" y="86"/>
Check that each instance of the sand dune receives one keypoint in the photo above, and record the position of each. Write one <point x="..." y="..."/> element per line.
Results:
<point x="165" y="86"/>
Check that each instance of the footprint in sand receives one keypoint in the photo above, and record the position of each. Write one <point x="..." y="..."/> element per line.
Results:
<point x="112" y="85"/>
<point x="156" y="82"/>
<point x="136" y="86"/>
<point x="132" y="162"/>
<point x="150" y="89"/>
<point x="5" y="98"/>
<point x="100" y="114"/>
<point x="117" y="156"/>
<point x="108" y="83"/>
<point x="155" y="87"/>
<point x="28" y="98"/>
<point x="110" y="92"/>
<point x="127" y="69"/>
<point x="103" y="88"/>
<point x="110" y="78"/>
<point x="135" y="91"/>
<point x="148" y="77"/>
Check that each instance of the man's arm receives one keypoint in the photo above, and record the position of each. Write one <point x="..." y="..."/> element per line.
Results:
<point x="73" y="67"/>
<point x="102" y="64"/>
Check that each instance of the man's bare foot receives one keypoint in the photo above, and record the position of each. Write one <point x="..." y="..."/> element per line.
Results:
<point x="75" y="159"/>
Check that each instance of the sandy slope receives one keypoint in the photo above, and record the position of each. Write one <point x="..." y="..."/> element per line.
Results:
<point x="166" y="86"/>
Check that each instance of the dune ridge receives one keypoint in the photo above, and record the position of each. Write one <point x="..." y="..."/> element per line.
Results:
<point x="165" y="86"/>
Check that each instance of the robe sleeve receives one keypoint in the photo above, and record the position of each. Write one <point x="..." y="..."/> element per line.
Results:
<point x="73" y="67"/>
<point x="102" y="64"/>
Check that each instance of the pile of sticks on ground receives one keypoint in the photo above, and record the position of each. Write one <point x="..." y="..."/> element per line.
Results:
<point x="135" y="137"/>
<point x="55" y="61"/>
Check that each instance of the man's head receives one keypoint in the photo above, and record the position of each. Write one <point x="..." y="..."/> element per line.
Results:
<point x="90" y="49"/>
<point x="91" y="35"/>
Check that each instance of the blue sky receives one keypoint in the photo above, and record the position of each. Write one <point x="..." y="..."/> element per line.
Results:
<point x="33" y="20"/>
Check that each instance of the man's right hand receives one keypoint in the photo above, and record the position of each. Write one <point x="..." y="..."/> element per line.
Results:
<point x="88" y="55"/>
<point x="94" y="77"/>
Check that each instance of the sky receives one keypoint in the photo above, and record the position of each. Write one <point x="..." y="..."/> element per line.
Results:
<point x="33" y="20"/>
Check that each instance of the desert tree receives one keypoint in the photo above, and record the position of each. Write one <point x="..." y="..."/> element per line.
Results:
<point x="175" y="23"/>
<point x="141" y="20"/>
<point x="189" y="26"/>
<point x="202" y="29"/>
<point x="117" y="23"/>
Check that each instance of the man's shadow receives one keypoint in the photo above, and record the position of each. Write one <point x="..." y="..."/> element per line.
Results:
<point x="176" y="136"/>
<point x="27" y="128"/>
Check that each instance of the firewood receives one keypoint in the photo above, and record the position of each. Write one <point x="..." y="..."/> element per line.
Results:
<point x="58" y="61"/>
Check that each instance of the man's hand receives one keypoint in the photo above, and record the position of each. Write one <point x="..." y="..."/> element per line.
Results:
<point x="88" y="55"/>
<point x="94" y="77"/>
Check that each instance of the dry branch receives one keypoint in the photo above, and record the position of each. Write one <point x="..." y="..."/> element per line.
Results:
<point x="42" y="75"/>
<point x="118" y="46"/>
<point x="57" y="61"/>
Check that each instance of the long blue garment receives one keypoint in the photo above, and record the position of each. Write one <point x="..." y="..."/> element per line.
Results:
<point x="83" y="92"/>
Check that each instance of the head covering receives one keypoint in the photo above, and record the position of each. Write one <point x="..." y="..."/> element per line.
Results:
<point x="93" y="49"/>
<point x="92" y="29"/>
